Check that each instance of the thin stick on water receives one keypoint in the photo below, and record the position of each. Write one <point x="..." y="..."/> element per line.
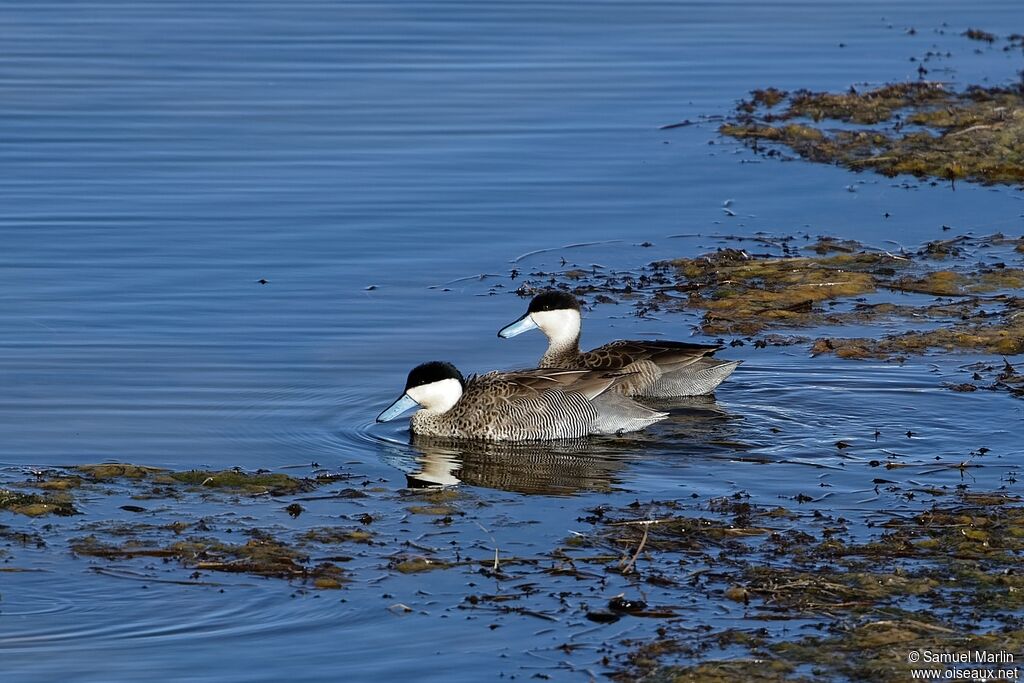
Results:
<point x="643" y="541"/>
<point x="495" y="567"/>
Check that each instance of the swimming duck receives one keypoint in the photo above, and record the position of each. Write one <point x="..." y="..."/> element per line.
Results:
<point x="517" y="406"/>
<point x="659" y="369"/>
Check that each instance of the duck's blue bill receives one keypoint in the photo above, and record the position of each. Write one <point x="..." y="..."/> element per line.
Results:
<point x="401" y="405"/>
<point x="524" y="324"/>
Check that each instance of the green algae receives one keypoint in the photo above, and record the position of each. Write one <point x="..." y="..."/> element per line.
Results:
<point x="980" y="35"/>
<point x="337" y="535"/>
<point x="751" y="670"/>
<point x="958" y="559"/>
<point x="436" y="502"/>
<point x="745" y="295"/>
<point x="986" y="338"/>
<point x="59" y="483"/>
<point x="327" y="583"/>
<point x="974" y="134"/>
<point x="979" y="306"/>
<point x="262" y="555"/>
<point x="94" y="547"/>
<point x="110" y="471"/>
<point x="275" y="484"/>
<point x="868" y="107"/>
<point x="437" y="496"/>
<point x="870" y="650"/>
<point x="953" y="559"/>
<point x="824" y="590"/>
<point x="416" y="565"/>
<point x="36" y="505"/>
<point x="438" y="510"/>
<point x="877" y="650"/>
<point x="256" y="483"/>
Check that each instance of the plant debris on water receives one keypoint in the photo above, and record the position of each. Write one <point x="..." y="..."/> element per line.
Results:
<point x="719" y="589"/>
<point x="262" y="555"/>
<point x="918" y="128"/>
<point x="36" y="505"/>
<point x="273" y="483"/>
<point x="699" y="589"/>
<point x="944" y="578"/>
<point x="971" y="301"/>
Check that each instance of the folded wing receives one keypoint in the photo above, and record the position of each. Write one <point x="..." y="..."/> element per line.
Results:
<point x="557" y="404"/>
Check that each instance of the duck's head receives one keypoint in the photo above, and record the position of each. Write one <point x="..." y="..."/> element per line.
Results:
<point x="434" y="386"/>
<point x="556" y="314"/>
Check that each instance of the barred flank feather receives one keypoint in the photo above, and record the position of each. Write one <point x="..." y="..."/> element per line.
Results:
<point x="617" y="412"/>
<point x="537" y="405"/>
<point x="695" y="380"/>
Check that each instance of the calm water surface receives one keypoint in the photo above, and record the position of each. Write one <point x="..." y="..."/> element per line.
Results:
<point x="370" y="161"/>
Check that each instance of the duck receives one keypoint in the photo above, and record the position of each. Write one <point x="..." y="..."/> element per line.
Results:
<point x="657" y="369"/>
<point x="522" y="405"/>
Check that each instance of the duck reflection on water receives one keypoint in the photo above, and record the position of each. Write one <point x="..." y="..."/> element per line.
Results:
<point x="549" y="467"/>
<point x="562" y="467"/>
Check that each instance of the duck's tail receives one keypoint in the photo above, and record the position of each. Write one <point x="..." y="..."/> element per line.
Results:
<point x="617" y="413"/>
<point x="696" y="379"/>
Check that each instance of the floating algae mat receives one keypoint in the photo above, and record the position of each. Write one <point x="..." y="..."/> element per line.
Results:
<point x="944" y="579"/>
<point x="261" y="555"/>
<point x="712" y="588"/>
<point x="849" y="555"/>
<point x="928" y="129"/>
<point x="967" y="292"/>
<point x="203" y="544"/>
<point x="35" y="505"/>
<point x="918" y="128"/>
<point x="57" y="486"/>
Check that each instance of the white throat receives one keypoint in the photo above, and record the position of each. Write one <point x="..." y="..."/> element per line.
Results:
<point x="560" y="327"/>
<point x="437" y="397"/>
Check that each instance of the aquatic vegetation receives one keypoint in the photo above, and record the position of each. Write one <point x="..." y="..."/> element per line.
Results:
<point x="36" y="505"/>
<point x="777" y="566"/>
<point x="727" y="671"/>
<point x="877" y="649"/>
<point x="441" y="510"/>
<point x="435" y="502"/>
<point x="256" y="483"/>
<point x="978" y="34"/>
<point x="21" y="537"/>
<point x="57" y="483"/>
<point x="957" y="558"/>
<point x="118" y="470"/>
<point x="415" y="565"/>
<point x="979" y="337"/>
<point x="262" y="555"/>
<point x="974" y="134"/>
<point x="335" y="535"/>
<point x="978" y="305"/>
<point x="273" y="483"/>
<point x="745" y="295"/>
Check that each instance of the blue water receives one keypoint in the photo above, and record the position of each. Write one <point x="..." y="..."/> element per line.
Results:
<point x="369" y="160"/>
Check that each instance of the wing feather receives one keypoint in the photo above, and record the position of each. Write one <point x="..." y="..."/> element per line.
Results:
<point x="667" y="355"/>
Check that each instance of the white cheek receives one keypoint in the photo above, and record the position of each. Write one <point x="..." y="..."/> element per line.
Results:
<point x="564" y="324"/>
<point x="437" y="396"/>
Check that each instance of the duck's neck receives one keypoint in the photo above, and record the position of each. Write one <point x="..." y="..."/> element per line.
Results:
<point x="563" y="352"/>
